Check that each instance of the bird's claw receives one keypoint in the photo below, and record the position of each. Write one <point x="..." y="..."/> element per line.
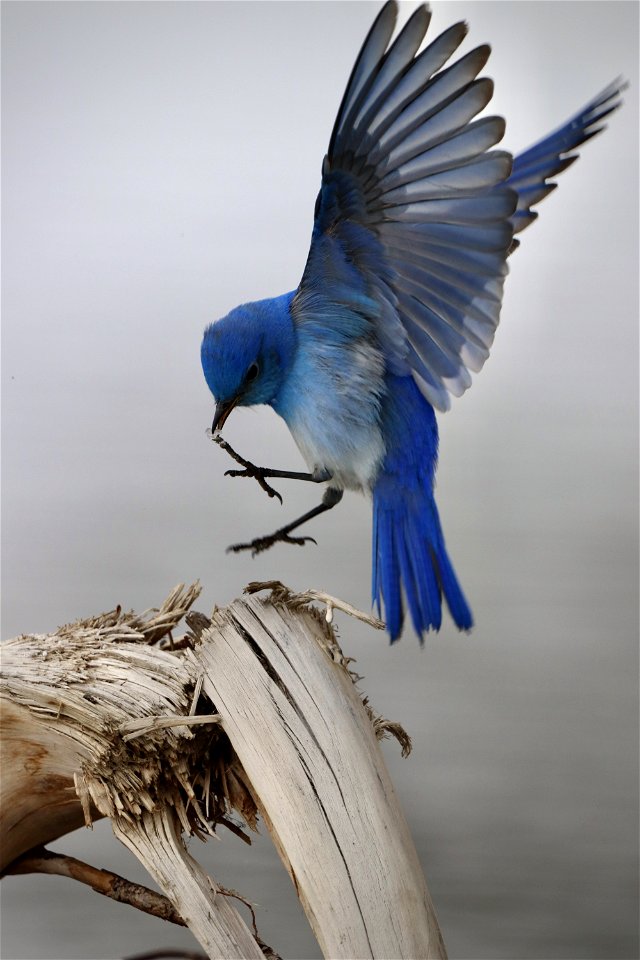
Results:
<point x="257" y="474"/>
<point x="250" y="469"/>
<point x="260" y="544"/>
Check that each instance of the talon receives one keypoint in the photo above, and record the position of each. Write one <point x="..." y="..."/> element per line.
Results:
<point x="255" y="473"/>
<point x="270" y="490"/>
<point x="250" y="469"/>
<point x="260" y="544"/>
<point x="237" y="547"/>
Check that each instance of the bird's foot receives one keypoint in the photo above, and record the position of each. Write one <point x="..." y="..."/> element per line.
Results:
<point x="250" y="469"/>
<point x="260" y="544"/>
<point x="257" y="473"/>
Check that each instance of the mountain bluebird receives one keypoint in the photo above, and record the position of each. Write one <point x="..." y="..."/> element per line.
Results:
<point x="399" y="300"/>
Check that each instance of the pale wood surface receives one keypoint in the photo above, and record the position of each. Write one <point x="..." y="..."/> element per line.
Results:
<point x="99" y="721"/>
<point x="211" y="916"/>
<point x="69" y="700"/>
<point x="308" y="747"/>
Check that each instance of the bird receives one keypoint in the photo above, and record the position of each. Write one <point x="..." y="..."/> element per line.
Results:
<point x="399" y="301"/>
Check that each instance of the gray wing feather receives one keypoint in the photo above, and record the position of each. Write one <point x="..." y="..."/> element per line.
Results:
<point x="417" y="210"/>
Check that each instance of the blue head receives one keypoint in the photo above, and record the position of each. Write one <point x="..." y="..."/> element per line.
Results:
<point x="247" y="354"/>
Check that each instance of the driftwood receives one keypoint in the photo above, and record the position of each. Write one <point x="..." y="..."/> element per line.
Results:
<point x="254" y="712"/>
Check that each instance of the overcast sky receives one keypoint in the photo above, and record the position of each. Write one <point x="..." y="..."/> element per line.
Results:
<point x="160" y="165"/>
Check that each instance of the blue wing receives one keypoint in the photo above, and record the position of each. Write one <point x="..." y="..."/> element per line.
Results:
<point x="416" y="212"/>
<point x="533" y="168"/>
<point x="412" y="226"/>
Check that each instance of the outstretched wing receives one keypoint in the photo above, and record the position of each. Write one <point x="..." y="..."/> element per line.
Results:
<point x="412" y="223"/>
<point x="416" y="212"/>
<point x="533" y="168"/>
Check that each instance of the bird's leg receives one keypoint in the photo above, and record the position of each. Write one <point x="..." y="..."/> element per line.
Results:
<point x="259" y="473"/>
<point x="330" y="499"/>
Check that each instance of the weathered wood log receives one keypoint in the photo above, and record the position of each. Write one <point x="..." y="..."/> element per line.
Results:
<point x="253" y="710"/>
<point x="71" y="700"/>
<point x="63" y="697"/>
<point x="340" y="832"/>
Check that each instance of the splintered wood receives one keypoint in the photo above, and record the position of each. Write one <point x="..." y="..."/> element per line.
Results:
<point x="252" y="711"/>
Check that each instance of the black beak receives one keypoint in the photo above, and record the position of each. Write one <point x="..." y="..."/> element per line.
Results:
<point x="223" y="409"/>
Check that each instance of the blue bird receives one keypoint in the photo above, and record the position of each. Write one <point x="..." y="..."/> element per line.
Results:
<point x="399" y="300"/>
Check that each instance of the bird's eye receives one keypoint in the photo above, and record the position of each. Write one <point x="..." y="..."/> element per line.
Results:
<point x="252" y="373"/>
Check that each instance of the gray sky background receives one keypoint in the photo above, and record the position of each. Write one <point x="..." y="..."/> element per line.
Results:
<point x="160" y="165"/>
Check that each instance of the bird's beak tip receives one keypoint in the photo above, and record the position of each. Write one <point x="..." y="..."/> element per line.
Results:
<point x="223" y="409"/>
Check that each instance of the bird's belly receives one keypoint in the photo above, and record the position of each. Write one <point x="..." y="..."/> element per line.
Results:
<point x="331" y="404"/>
<point x="343" y="439"/>
<point x="353" y="461"/>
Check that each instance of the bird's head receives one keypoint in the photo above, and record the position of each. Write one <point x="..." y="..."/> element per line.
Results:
<point x="246" y="355"/>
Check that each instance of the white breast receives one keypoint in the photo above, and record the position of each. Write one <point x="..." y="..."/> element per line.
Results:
<point x="331" y="404"/>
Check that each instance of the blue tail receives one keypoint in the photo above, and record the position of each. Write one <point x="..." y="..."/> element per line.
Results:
<point x="409" y="553"/>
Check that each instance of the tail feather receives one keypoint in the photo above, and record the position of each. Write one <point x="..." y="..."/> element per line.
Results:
<point x="409" y="553"/>
<point x="456" y="600"/>
<point x="410" y="557"/>
<point x="429" y="593"/>
<point x="387" y="574"/>
<point x="410" y="567"/>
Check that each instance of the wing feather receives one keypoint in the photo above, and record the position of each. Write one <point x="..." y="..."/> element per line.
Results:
<point x="550" y="156"/>
<point x="417" y="209"/>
